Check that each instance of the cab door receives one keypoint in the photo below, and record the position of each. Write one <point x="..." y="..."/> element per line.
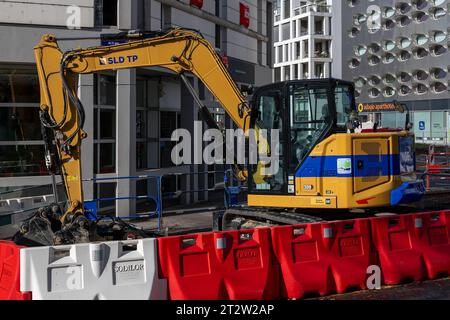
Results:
<point x="371" y="161"/>
<point x="269" y="177"/>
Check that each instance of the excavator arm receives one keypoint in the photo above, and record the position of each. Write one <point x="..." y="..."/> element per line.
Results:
<point x="179" y="50"/>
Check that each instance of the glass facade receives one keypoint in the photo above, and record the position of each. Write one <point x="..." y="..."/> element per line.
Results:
<point x="104" y="123"/>
<point x="21" y="145"/>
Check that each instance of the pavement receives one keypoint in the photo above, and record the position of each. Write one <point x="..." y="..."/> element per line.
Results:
<point x="427" y="290"/>
<point x="181" y="224"/>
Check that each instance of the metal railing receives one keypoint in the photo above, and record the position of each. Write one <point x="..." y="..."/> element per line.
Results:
<point x="155" y="195"/>
<point x="437" y="171"/>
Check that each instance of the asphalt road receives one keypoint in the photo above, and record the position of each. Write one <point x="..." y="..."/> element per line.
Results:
<point x="427" y="290"/>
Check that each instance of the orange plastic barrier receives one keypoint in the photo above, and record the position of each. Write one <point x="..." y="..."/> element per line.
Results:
<point x="235" y="265"/>
<point x="323" y="257"/>
<point x="399" y="254"/>
<point x="432" y="238"/>
<point x="10" y="272"/>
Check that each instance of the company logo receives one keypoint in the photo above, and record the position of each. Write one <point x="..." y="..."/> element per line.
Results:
<point x="350" y="242"/>
<point x="129" y="268"/>
<point x="247" y="254"/>
<point x="369" y="107"/>
<point x="118" y="60"/>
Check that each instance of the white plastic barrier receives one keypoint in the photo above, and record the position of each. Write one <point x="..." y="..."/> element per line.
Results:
<point x="122" y="270"/>
<point x="10" y="205"/>
<point x="25" y="204"/>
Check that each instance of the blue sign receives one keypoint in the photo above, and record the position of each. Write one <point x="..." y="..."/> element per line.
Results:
<point x="422" y="125"/>
<point x="90" y="210"/>
<point x="111" y="42"/>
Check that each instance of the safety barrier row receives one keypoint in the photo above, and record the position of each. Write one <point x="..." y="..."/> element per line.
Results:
<point x="120" y="270"/>
<point x="10" y="272"/>
<point x="269" y="263"/>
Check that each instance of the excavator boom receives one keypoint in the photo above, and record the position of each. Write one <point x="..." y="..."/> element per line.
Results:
<point x="179" y="50"/>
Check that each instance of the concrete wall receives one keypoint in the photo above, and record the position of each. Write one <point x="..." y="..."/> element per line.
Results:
<point x="45" y="12"/>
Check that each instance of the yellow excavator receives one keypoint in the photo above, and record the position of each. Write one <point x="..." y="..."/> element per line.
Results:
<point x="325" y="163"/>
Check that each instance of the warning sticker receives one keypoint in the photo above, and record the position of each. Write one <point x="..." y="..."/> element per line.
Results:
<point x="344" y="166"/>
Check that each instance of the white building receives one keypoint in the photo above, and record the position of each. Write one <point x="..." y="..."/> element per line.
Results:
<point x="302" y="39"/>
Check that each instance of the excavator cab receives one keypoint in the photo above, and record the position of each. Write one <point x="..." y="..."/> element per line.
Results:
<point x="305" y="112"/>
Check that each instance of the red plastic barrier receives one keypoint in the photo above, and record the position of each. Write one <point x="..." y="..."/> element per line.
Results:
<point x="323" y="257"/>
<point x="432" y="238"/>
<point x="10" y="272"/>
<point x="235" y="265"/>
<point x="400" y="257"/>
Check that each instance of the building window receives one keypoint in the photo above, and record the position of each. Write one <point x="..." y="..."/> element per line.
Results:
<point x="388" y="58"/>
<point x="403" y="21"/>
<point x="21" y="145"/>
<point x="360" y="50"/>
<point x="165" y="153"/>
<point x="110" y="12"/>
<point x="437" y="50"/>
<point x="276" y="33"/>
<point x="374" y="92"/>
<point x="403" y="55"/>
<point x="388" y="45"/>
<point x="170" y="121"/>
<point x="146" y="123"/>
<point x="354" y="63"/>
<point x="295" y="74"/>
<point x="374" y="80"/>
<point x="360" y="82"/>
<point x="353" y="32"/>
<point x="297" y="50"/>
<point x="388" y="12"/>
<point x="319" y="70"/>
<point x="420" y="75"/>
<point x="404" y="77"/>
<point x="217" y="43"/>
<point x="287" y="9"/>
<point x="388" y="24"/>
<point x="154" y="127"/>
<point x="287" y="73"/>
<point x="438" y="87"/>
<point x="420" y="53"/>
<point x="285" y="32"/>
<point x="169" y="184"/>
<point x="374" y="47"/>
<point x="405" y="90"/>
<point x="420" y="4"/>
<point x="104" y="123"/>
<point x="438" y="73"/>
<point x="277" y="74"/>
<point x="106" y="194"/>
<point x="437" y="12"/>
<point x="419" y="16"/>
<point x="420" y="89"/>
<point x="404" y="43"/>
